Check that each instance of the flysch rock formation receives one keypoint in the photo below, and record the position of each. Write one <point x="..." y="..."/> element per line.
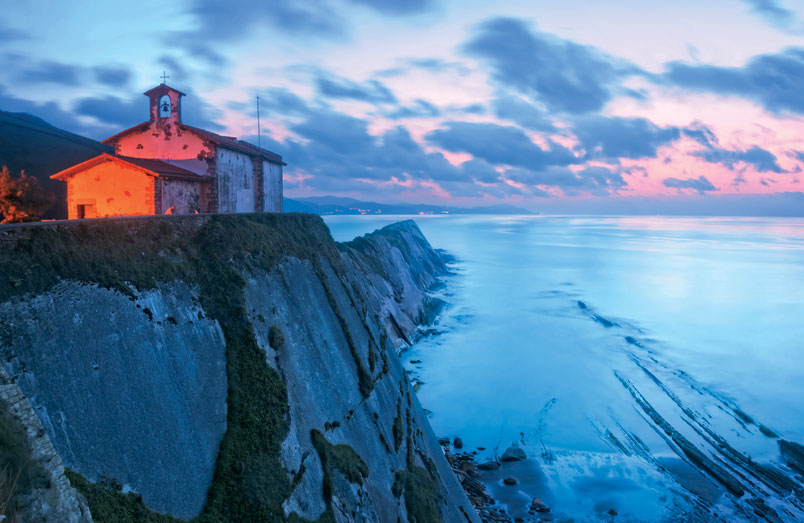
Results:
<point x="223" y="367"/>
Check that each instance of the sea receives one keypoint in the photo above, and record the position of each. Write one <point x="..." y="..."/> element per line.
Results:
<point x="649" y="367"/>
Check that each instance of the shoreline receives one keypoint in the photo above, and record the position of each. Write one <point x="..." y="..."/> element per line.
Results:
<point x="474" y="478"/>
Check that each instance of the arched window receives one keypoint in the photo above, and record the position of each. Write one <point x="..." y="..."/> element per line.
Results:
<point x="164" y="106"/>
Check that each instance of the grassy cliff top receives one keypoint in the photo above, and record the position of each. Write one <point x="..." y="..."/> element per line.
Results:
<point x="141" y="252"/>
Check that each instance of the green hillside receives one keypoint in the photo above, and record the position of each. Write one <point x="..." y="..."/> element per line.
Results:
<point x="30" y="143"/>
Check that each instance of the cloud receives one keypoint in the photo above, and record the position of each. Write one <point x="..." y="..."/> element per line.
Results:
<point x="52" y="113"/>
<point x="700" y="184"/>
<point x="397" y="7"/>
<point x="438" y="65"/>
<point x="701" y="134"/>
<point x="341" y="155"/>
<point x="774" y="13"/>
<point x="235" y="18"/>
<point x="419" y="109"/>
<point x="499" y="145"/>
<point x="198" y="112"/>
<point x="276" y="103"/>
<point x="113" y="111"/>
<point x="400" y="150"/>
<point x="31" y="72"/>
<point x="469" y="109"/>
<point x="760" y="159"/>
<point x="196" y="46"/>
<point x="337" y="132"/>
<point x="521" y="112"/>
<point x="282" y="101"/>
<point x="51" y="72"/>
<point x="602" y="180"/>
<point x="592" y="180"/>
<point x="612" y="137"/>
<point x="565" y="76"/>
<point x="776" y="81"/>
<point x="371" y="91"/>
<point x="175" y="69"/>
<point x="430" y="64"/>
<point x="113" y="76"/>
<point x="9" y="34"/>
<point x="117" y="113"/>
<point x="481" y="171"/>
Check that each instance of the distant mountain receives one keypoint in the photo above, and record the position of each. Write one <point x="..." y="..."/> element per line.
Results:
<point x="31" y="144"/>
<point x="339" y="205"/>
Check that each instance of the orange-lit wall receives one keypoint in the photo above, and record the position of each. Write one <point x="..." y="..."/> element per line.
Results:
<point x="113" y="189"/>
<point x="163" y="139"/>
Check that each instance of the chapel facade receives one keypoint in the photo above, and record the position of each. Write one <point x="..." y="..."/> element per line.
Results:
<point x="166" y="166"/>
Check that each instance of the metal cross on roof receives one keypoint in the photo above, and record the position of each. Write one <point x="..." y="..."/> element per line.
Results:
<point x="164" y="76"/>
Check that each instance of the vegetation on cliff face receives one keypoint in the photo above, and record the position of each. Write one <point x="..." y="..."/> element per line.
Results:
<point x="109" y="504"/>
<point x="340" y="457"/>
<point x="249" y="482"/>
<point x="364" y="379"/>
<point x="275" y="337"/>
<point x="421" y="494"/>
<point x="399" y="434"/>
<point x="416" y="484"/>
<point x="19" y="474"/>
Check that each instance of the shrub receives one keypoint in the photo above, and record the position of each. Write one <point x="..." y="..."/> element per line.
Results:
<point x="22" y="199"/>
<point x="275" y="338"/>
<point x="421" y="494"/>
<point x="8" y="487"/>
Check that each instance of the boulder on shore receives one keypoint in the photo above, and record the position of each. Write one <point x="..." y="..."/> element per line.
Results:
<point x="538" y="505"/>
<point x="489" y="465"/>
<point x="513" y="453"/>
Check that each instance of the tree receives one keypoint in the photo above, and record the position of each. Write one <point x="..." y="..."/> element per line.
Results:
<point x="22" y="199"/>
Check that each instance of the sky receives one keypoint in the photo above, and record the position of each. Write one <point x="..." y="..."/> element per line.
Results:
<point x="539" y="104"/>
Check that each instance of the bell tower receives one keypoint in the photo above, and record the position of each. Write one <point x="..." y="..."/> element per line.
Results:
<point x="165" y="103"/>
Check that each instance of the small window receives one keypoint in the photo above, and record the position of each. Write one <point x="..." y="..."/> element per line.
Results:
<point x="164" y="106"/>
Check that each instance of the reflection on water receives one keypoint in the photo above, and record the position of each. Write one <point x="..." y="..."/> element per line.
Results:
<point x="647" y="365"/>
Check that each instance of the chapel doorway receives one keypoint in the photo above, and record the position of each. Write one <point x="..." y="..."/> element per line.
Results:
<point x="86" y="210"/>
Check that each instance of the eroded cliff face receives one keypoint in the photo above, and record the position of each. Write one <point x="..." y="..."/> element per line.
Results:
<point x="226" y="367"/>
<point x="32" y="466"/>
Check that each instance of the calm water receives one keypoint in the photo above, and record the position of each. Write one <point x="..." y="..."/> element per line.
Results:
<point x="558" y="325"/>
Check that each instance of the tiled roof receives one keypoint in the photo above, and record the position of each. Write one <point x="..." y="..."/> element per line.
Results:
<point x="163" y="167"/>
<point x="163" y="86"/>
<point x="237" y="145"/>
<point x="226" y="141"/>
<point x="152" y="167"/>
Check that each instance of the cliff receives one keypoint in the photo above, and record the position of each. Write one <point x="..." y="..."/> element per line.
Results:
<point x="238" y="368"/>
